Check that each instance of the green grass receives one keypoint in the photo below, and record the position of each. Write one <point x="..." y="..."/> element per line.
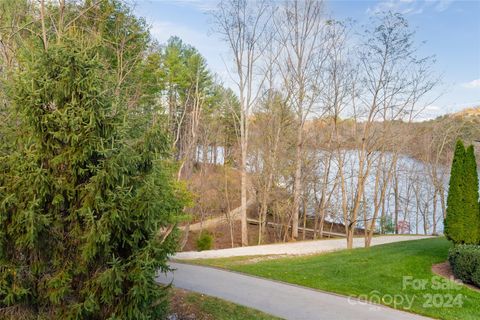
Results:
<point x="375" y="272"/>
<point x="209" y="308"/>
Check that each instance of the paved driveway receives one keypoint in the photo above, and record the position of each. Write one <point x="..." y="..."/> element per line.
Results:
<point x="291" y="248"/>
<point x="279" y="299"/>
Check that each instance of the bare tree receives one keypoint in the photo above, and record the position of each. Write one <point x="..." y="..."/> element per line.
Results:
<point x="271" y="139"/>
<point x="300" y="29"/>
<point x="393" y="81"/>
<point x="338" y="83"/>
<point x="242" y="25"/>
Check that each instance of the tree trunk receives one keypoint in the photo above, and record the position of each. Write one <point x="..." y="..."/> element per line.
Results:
<point x="304" y="217"/>
<point x="262" y="220"/>
<point x="425" y="225"/>
<point x="316" y="223"/>
<point x="322" y="222"/>
<point x="442" y="201"/>
<point x="215" y="155"/>
<point x="383" y="219"/>
<point x="434" y="217"/>
<point x="397" y="206"/>
<point x="243" y="205"/>
<point x="184" y="240"/>
<point x="350" y="234"/>
<point x="368" y="241"/>
<point x="297" y="190"/>
<point x="205" y="153"/>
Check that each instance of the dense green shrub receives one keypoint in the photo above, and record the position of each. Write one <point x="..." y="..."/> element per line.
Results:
<point x="465" y="262"/>
<point x="204" y="241"/>
<point x="476" y="277"/>
<point x="81" y="200"/>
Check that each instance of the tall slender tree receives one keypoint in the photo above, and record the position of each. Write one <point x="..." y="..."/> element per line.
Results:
<point x="471" y="219"/>
<point x="243" y="24"/>
<point x="300" y="32"/>
<point x="187" y="83"/>
<point x="454" y="226"/>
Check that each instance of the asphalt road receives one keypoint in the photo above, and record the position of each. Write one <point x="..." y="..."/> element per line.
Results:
<point x="279" y="299"/>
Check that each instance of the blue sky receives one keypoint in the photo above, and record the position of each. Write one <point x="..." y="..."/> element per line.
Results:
<point x="451" y="30"/>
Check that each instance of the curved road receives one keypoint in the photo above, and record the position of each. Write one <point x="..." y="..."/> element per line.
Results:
<point x="277" y="298"/>
<point x="292" y="248"/>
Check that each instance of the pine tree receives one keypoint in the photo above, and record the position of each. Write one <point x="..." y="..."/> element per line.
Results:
<point x="453" y="225"/>
<point x="471" y="208"/>
<point x="81" y="201"/>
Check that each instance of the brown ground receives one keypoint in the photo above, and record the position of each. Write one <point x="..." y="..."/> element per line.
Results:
<point x="222" y="238"/>
<point x="445" y="270"/>
<point x="181" y="308"/>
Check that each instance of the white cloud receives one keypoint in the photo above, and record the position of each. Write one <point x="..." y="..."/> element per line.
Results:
<point x="475" y="84"/>
<point x="430" y="112"/>
<point x="410" y="7"/>
<point x="442" y="5"/>
<point x="407" y="7"/>
<point x="432" y="108"/>
<point x="202" y="5"/>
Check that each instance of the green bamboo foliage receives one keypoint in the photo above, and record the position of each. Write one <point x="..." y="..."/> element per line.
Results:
<point x="82" y="202"/>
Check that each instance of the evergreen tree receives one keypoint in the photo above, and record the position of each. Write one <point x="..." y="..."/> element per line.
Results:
<point x="81" y="200"/>
<point x="454" y="221"/>
<point x="187" y="85"/>
<point x="462" y="224"/>
<point x="471" y="208"/>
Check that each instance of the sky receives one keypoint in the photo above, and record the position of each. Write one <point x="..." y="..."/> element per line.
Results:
<point x="450" y="29"/>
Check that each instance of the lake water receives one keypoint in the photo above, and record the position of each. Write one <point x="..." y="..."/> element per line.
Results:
<point x="415" y="186"/>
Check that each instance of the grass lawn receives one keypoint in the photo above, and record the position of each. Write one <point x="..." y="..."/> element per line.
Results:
<point x="398" y="275"/>
<point x="190" y="305"/>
